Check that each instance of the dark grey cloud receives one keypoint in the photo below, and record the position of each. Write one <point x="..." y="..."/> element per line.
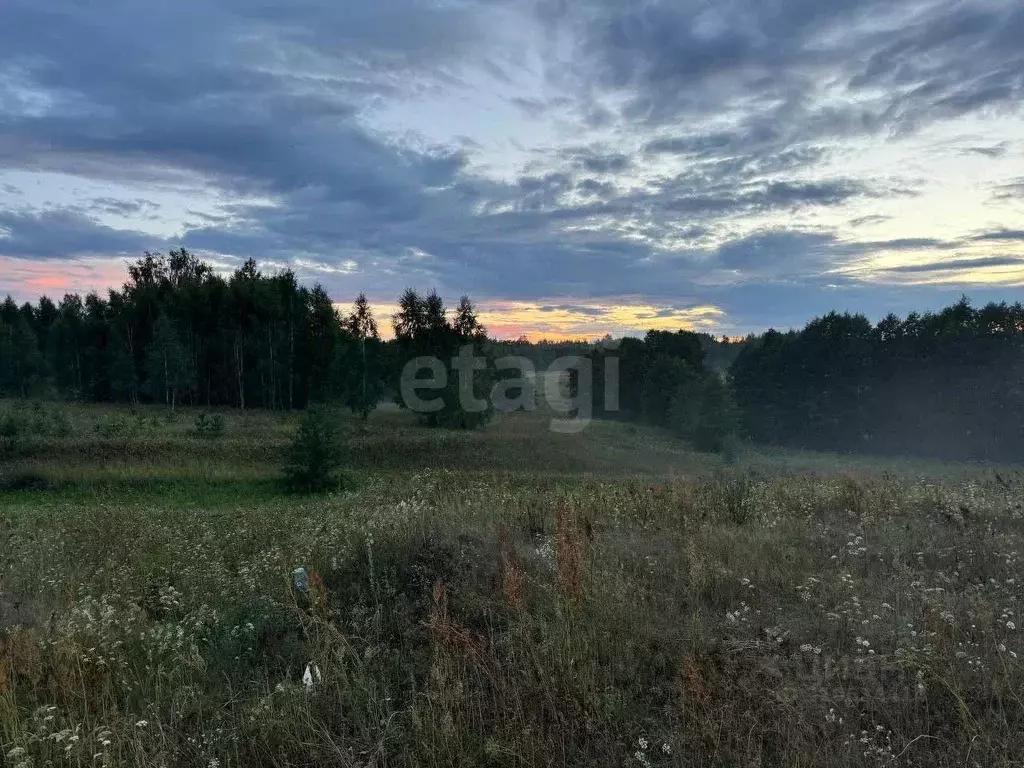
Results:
<point x="611" y="163"/>
<point x="57" y="233"/>
<point x="674" y="59"/>
<point x="784" y="193"/>
<point x="951" y="265"/>
<point x="1012" y="191"/>
<point x="700" y="144"/>
<point x="777" y="251"/>
<point x="1001" y="235"/>
<point x="122" y="207"/>
<point x="257" y="97"/>
<point x="906" y="244"/>
<point x="872" y="219"/>
<point x="596" y="188"/>
<point x="270" y="99"/>
<point x="577" y="309"/>
<point x="701" y="197"/>
<point x="995" y="151"/>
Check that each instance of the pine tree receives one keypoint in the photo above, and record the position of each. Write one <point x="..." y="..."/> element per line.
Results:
<point x="363" y="360"/>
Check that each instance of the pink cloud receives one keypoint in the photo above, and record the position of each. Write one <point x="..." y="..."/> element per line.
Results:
<point x="28" y="280"/>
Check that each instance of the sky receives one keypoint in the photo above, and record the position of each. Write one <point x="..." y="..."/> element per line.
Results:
<point x="577" y="168"/>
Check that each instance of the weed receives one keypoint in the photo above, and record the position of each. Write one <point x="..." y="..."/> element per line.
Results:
<point x="209" y="425"/>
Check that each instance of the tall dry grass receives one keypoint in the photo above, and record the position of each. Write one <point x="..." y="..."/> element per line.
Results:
<point x="493" y="618"/>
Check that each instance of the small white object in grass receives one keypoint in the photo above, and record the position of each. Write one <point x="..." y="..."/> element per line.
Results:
<point x="311" y="675"/>
<point x="300" y="579"/>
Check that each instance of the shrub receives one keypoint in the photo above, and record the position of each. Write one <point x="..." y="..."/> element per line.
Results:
<point x="24" y="480"/>
<point x="210" y="425"/>
<point x="454" y="415"/>
<point x="112" y="428"/>
<point x="37" y="419"/>
<point x="315" y="453"/>
<point x="60" y="424"/>
<point x="32" y="421"/>
<point x="728" y="495"/>
<point x="13" y="426"/>
<point x="731" y="450"/>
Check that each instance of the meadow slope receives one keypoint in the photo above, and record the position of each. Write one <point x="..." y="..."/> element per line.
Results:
<point x="504" y="597"/>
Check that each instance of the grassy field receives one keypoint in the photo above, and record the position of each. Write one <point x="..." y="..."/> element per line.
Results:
<point x="506" y="597"/>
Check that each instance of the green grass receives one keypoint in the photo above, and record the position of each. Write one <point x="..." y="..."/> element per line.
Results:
<point x="506" y="597"/>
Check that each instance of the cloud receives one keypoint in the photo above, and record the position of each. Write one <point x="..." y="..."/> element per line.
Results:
<point x="610" y="163"/>
<point x="669" y="152"/>
<point x="26" y="280"/>
<point x="958" y="264"/>
<point x="770" y="251"/>
<point x="596" y="188"/>
<point x="121" y="207"/>
<point x="783" y="193"/>
<point x="999" y="150"/>
<point x="1001" y="235"/>
<point x="1011" y="191"/>
<point x="905" y="244"/>
<point x="892" y="65"/>
<point x="691" y="145"/>
<point x="575" y="309"/>
<point x="863" y="221"/>
<point x="59" y="234"/>
<point x="592" y="321"/>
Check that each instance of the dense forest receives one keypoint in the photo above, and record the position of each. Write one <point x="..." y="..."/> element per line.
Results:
<point x="948" y="384"/>
<point x="944" y="384"/>
<point x="176" y="332"/>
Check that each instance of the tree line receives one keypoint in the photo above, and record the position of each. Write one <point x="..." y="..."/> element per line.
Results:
<point x="946" y="384"/>
<point x="178" y="333"/>
<point x="175" y="332"/>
